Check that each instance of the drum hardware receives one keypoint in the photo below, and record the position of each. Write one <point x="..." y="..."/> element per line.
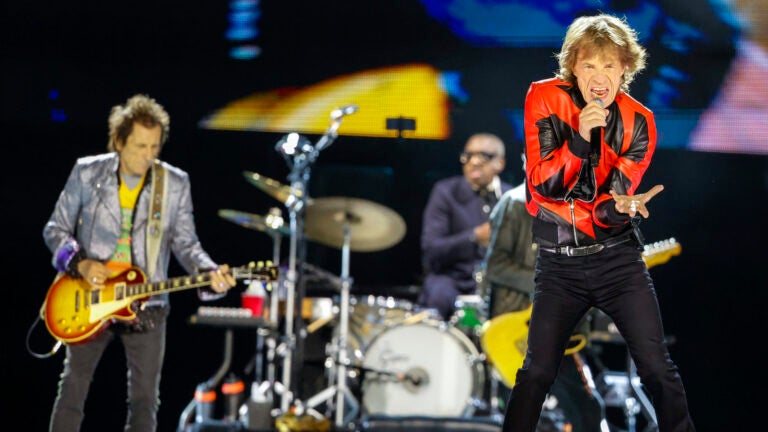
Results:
<point x="300" y="155"/>
<point x="351" y="216"/>
<point x="339" y="389"/>
<point x="334" y="222"/>
<point x="379" y="228"/>
<point x="273" y="225"/>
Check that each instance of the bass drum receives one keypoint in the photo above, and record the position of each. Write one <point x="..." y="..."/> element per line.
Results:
<point x="424" y="369"/>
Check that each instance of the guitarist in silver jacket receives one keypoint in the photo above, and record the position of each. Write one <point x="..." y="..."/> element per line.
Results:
<point x="119" y="210"/>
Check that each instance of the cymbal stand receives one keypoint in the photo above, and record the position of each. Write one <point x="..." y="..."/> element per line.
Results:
<point x="275" y="221"/>
<point x="340" y="390"/>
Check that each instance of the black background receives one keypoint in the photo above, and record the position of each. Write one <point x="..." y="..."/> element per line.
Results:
<point x="96" y="54"/>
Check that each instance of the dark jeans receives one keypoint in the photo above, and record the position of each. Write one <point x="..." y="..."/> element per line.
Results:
<point x="617" y="282"/>
<point x="144" y="351"/>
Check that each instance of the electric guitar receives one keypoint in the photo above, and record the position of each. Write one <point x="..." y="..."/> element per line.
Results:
<point x="504" y="339"/>
<point x="75" y="313"/>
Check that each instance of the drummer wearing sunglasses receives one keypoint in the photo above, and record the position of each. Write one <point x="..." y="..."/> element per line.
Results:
<point x="455" y="228"/>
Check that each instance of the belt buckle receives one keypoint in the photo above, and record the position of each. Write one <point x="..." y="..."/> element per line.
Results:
<point x="584" y="250"/>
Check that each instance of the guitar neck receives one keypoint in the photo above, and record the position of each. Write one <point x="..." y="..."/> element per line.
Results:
<point x="181" y="283"/>
<point x="660" y="252"/>
<point x="170" y="285"/>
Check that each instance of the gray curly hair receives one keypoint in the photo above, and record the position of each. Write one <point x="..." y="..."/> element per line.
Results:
<point x="595" y="34"/>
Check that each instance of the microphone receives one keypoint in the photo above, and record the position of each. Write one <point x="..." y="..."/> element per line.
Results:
<point x="343" y="111"/>
<point x="594" y="140"/>
<point x="414" y="379"/>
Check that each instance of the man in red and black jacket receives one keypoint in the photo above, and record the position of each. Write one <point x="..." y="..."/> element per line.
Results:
<point x="588" y="144"/>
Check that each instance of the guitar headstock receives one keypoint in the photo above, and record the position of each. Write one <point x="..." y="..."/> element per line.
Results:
<point x="661" y="251"/>
<point x="264" y="271"/>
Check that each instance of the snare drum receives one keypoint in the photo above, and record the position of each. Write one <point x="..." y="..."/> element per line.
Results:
<point x="427" y="368"/>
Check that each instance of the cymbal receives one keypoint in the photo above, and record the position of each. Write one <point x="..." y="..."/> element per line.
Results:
<point x="254" y="221"/>
<point x="372" y="226"/>
<point x="272" y="187"/>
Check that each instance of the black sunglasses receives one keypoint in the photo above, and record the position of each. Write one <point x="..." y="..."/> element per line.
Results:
<point x="484" y="156"/>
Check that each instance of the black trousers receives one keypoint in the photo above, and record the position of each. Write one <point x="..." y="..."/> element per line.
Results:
<point x="617" y="282"/>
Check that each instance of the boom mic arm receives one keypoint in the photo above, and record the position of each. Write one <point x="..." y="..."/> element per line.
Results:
<point x="330" y="135"/>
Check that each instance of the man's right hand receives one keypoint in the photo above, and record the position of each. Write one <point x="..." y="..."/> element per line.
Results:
<point x="93" y="271"/>
<point x="483" y="234"/>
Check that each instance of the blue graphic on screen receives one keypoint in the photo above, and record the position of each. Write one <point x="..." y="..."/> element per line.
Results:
<point x="527" y="22"/>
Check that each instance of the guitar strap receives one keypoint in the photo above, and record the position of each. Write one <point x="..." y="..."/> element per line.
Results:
<point x="156" y="216"/>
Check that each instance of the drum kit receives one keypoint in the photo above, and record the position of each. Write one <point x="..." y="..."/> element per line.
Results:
<point x="385" y="353"/>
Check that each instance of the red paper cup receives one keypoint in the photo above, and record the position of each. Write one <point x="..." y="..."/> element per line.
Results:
<point x="254" y="303"/>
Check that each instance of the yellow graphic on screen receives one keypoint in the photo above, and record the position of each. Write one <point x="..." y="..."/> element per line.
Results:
<point x="411" y="91"/>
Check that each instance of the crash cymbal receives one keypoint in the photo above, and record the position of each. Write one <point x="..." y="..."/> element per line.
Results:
<point x="265" y="224"/>
<point x="272" y="187"/>
<point x="372" y="226"/>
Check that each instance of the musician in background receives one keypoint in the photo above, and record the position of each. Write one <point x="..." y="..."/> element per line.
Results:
<point x="588" y="144"/>
<point x="455" y="228"/>
<point x="122" y="209"/>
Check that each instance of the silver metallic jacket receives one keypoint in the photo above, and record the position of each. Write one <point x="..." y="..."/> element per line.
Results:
<point x="87" y="217"/>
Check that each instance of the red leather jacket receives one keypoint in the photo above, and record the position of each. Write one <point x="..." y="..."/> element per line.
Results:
<point x="568" y="196"/>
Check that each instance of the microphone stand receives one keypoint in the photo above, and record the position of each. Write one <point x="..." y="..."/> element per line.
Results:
<point x="300" y="155"/>
<point x="295" y="203"/>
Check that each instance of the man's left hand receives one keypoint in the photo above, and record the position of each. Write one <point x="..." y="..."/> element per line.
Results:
<point x="634" y="204"/>
<point x="221" y="279"/>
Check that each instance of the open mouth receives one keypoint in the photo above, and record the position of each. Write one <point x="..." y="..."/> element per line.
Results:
<point x="598" y="92"/>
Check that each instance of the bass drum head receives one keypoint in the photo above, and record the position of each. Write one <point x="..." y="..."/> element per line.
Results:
<point x="426" y="368"/>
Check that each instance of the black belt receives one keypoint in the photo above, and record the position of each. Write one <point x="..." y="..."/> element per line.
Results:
<point x="586" y="250"/>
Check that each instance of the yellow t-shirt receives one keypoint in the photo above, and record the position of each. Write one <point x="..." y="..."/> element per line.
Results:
<point x="121" y="259"/>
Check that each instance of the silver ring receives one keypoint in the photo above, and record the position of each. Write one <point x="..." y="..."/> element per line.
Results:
<point x="221" y="284"/>
<point x="94" y="279"/>
<point x="633" y="205"/>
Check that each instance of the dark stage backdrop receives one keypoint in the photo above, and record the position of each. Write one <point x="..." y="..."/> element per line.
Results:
<point x="65" y="65"/>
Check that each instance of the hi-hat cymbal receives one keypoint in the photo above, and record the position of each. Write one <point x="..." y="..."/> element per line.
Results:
<point x="272" y="187"/>
<point x="372" y="226"/>
<point x="253" y="221"/>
